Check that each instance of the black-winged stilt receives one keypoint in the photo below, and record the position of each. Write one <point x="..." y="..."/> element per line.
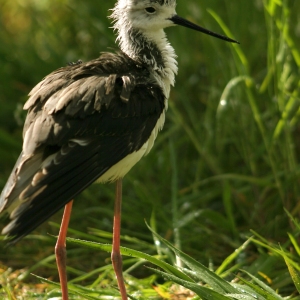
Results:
<point x="94" y="121"/>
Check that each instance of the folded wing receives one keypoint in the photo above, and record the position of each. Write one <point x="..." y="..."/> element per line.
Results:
<point x="84" y="122"/>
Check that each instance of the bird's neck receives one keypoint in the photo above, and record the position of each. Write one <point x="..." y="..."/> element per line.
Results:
<point x="152" y="49"/>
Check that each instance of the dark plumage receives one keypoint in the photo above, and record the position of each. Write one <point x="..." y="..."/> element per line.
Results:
<point x="82" y="119"/>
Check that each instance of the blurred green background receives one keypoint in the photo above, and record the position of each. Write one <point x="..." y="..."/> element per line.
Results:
<point x="227" y="160"/>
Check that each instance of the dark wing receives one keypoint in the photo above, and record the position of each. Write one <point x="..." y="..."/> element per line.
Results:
<point x="82" y="120"/>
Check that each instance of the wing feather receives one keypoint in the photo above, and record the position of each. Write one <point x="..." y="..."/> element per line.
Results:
<point x="82" y="120"/>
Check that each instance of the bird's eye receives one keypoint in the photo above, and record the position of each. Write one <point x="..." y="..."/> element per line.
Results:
<point x="150" y="10"/>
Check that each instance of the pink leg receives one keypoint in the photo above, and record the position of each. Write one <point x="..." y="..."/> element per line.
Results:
<point x="115" y="254"/>
<point x="60" y="250"/>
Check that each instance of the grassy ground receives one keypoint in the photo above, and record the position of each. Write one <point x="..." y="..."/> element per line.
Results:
<point x="222" y="181"/>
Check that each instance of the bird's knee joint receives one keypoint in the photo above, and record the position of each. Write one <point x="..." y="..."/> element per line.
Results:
<point x="116" y="258"/>
<point x="60" y="252"/>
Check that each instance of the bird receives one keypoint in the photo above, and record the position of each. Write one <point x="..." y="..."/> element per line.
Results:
<point x="93" y="121"/>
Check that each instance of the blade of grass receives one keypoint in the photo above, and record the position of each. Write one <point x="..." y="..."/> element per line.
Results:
<point x="73" y="289"/>
<point x="133" y="253"/>
<point x="294" y="274"/>
<point x="174" y="199"/>
<point x="201" y="271"/>
<point x="266" y="291"/>
<point x="203" y="292"/>
<point x="228" y="260"/>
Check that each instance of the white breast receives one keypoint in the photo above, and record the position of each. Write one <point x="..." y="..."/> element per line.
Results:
<point x="120" y="169"/>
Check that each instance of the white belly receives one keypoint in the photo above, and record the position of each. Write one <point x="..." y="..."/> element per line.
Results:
<point x="120" y="169"/>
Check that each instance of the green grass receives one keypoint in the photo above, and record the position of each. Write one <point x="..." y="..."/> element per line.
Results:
<point x="222" y="181"/>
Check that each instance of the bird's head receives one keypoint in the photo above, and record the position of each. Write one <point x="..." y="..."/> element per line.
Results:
<point x="144" y="15"/>
<point x="152" y="15"/>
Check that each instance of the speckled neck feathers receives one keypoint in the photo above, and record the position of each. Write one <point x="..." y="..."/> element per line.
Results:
<point x="146" y="45"/>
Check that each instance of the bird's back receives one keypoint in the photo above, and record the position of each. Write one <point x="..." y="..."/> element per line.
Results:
<point x="85" y="121"/>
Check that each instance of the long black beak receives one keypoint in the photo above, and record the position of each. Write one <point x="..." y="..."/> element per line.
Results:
<point x="183" y="22"/>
